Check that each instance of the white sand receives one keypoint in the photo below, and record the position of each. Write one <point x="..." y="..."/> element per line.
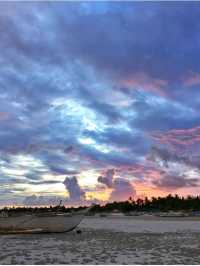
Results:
<point x="142" y="224"/>
<point x="108" y="241"/>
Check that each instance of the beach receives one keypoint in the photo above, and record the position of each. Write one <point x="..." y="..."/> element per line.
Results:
<point x="109" y="240"/>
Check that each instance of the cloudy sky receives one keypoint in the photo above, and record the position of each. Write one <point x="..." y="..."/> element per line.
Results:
<point x="98" y="101"/>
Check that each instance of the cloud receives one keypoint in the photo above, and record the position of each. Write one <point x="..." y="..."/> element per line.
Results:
<point x="108" y="178"/>
<point x="179" y="138"/>
<point x="3" y="116"/>
<point x="34" y="200"/>
<point x="44" y="182"/>
<point x="63" y="171"/>
<point x="174" y="170"/>
<point x="164" y="156"/>
<point x="169" y="182"/>
<point x="131" y="55"/>
<point x="121" y="138"/>
<point x="76" y="193"/>
<point x="167" y="156"/>
<point x="169" y="114"/>
<point x="145" y="54"/>
<point x="122" y="189"/>
<point x="192" y="79"/>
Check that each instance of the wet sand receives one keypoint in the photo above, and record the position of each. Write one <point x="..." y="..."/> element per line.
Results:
<point x="104" y="245"/>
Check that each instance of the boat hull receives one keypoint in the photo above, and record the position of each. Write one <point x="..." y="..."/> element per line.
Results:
<point x="40" y="224"/>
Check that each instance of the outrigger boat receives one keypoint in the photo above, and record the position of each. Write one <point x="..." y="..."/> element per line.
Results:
<point x="48" y="222"/>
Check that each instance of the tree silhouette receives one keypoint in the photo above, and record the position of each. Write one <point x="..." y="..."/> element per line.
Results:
<point x="163" y="204"/>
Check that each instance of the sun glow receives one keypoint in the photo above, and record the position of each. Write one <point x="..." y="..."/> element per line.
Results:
<point x="88" y="178"/>
<point x="102" y="195"/>
<point x="47" y="189"/>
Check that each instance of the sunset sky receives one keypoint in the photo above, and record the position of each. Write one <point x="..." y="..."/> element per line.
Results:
<point x="98" y="101"/>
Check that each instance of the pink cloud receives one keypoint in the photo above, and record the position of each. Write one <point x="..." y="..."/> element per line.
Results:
<point x="193" y="79"/>
<point x="122" y="188"/>
<point x="181" y="138"/>
<point x="4" y="116"/>
<point x="143" y="81"/>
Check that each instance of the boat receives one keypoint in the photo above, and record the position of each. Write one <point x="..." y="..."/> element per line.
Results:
<point x="41" y="222"/>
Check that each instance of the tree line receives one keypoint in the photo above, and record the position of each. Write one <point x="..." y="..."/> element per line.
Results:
<point x="159" y="204"/>
<point x="154" y="204"/>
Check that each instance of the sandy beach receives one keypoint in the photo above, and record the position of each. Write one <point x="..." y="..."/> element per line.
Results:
<point x="109" y="240"/>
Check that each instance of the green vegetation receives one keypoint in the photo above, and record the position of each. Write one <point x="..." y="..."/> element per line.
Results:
<point x="160" y="204"/>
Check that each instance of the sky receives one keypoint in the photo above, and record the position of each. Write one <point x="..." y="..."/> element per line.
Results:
<point x="99" y="101"/>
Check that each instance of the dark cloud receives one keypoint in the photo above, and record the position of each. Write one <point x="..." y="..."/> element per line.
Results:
<point x="132" y="40"/>
<point x="167" y="156"/>
<point x="155" y="113"/>
<point x="76" y="193"/>
<point x="113" y="158"/>
<point x="122" y="188"/>
<point x="108" y="178"/>
<point x="168" y="182"/>
<point x="63" y="171"/>
<point x="133" y="140"/>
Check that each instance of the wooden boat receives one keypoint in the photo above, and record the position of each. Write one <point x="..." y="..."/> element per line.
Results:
<point x="41" y="222"/>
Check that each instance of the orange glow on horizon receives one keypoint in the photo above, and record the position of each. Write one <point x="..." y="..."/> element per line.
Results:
<point x="102" y="195"/>
<point x="143" y="190"/>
